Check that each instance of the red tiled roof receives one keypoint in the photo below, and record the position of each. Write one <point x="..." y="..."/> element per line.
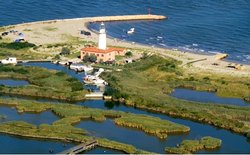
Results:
<point x="97" y="50"/>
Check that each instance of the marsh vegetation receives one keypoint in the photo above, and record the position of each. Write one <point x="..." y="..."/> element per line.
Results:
<point x="43" y="83"/>
<point x="191" y="146"/>
<point x="147" y="84"/>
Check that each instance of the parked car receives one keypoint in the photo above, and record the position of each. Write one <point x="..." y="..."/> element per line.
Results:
<point x="5" y="33"/>
<point x="86" y="33"/>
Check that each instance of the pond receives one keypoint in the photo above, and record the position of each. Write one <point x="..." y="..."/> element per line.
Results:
<point x="206" y="97"/>
<point x="11" y="114"/>
<point x="13" y="83"/>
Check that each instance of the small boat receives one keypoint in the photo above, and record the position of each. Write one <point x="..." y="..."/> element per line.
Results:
<point x="131" y="31"/>
<point x="88" y="68"/>
<point x="99" y="72"/>
<point x="91" y="79"/>
<point x="80" y="67"/>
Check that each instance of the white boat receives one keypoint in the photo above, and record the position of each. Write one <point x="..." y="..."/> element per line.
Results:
<point x="99" y="72"/>
<point x="88" y="68"/>
<point x="80" y="67"/>
<point x="131" y="31"/>
<point x="91" y="79"/>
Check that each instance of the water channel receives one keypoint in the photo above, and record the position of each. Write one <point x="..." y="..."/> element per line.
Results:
<point x="13" y="83"/>
<point x="206" y="97"/>
<point x="232" y="143"/>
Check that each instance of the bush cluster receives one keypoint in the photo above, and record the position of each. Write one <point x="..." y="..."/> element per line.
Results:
<point x="17" y="45"/>
<point x="11" y="69"/>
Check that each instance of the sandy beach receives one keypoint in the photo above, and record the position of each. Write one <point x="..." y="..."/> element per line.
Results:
<point x="59" y="31"/>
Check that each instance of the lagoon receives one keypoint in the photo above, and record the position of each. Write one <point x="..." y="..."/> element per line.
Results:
<point x="231" y="142"/>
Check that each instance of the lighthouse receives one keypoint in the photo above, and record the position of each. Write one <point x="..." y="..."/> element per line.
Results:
<point x="102" y="37"/>
<point x="102" y="52"/>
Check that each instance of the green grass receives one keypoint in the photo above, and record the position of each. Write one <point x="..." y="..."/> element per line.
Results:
<point x="147" y="83"/>
<point x="191" y="146"/>
<point x="43" y="83"/>
<point x="22" y="50"/>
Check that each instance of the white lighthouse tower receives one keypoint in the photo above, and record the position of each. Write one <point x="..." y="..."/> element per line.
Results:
<point x="102" y="37"/>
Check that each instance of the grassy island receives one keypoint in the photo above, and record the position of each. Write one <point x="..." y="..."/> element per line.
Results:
<point x="147" y="83"/>
<point x="43" y="83"/>
<point x="191" y="146"/>
<point x="72" y="114"/>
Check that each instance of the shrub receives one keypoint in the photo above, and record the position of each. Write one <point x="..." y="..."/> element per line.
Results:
<point x="60" y="74"/>
<point x="191" y="78"/>
<point x="144" y="55"/>
<point x="223" y="82"/>
<point x="248" y="135"/>
<point x="128" y="54"/>
<point x="72" y="79"/>
<point x="168" y="67"/>
<point x="114" y="93"/>
<point x="65" y="51"/>
<point x="239" y="124"/>
<point x="76" y="86"/>
<point x="206" y="78"/>
<point x="57" y="57"/>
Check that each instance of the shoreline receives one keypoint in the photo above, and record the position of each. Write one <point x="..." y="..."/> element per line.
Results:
<point x="195" y="62"/>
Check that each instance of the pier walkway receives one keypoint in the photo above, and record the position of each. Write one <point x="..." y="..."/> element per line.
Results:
<point x="127" y="18"/>
<point x="25" y="61"/>
<point x="80" y="148"/>
<point x="94" y="95"/>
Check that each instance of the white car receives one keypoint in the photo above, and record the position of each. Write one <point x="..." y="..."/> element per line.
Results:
<point x="10" y="60"/>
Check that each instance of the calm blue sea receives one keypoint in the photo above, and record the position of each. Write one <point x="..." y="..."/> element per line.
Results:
<point x="206" y="26"/>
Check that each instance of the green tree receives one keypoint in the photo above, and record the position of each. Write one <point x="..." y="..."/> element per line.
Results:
<point x="90" y="58"/>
